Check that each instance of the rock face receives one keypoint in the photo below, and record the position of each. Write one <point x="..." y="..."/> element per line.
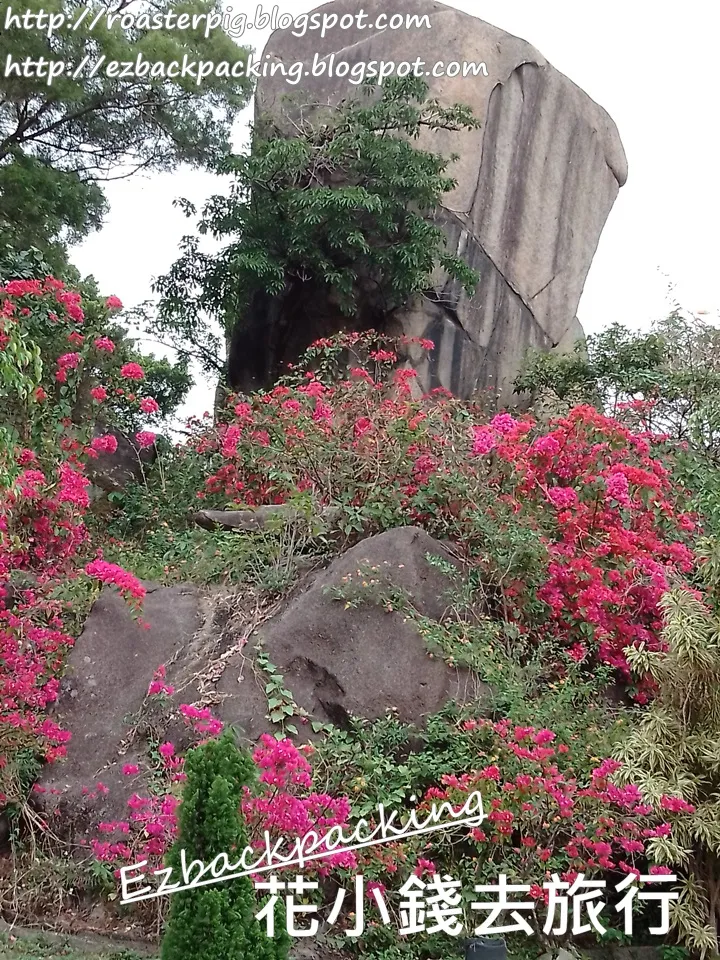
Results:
<point x="114" y="471"/>
<point x="341" y="661"/>
<point x="336" y="660"/>
<point x="535" y="185"/>
<point x="106" y="680"/>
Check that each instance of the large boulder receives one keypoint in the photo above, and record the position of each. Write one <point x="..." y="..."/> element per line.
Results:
<point x="338" y="660"/>
<point x="103" y="690"/>
<point x="343" y="659"/>
<point x="115" y="471"/>
<point x="535" y="185"/>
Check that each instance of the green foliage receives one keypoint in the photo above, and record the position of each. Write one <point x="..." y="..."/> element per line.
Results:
<point x="29" y="360"/>
<point x="217" y="920"/>
<point x="168" y="382"/>
<point x="673" y="953"/>
<point x="59" y="138"/>
<point x="40" y="205"/>
<point x="668" y="379"/>
<point x="25" y="263"/>
<point x="156" y="540"/>
<point x="42" y="947"/>
<point x="345" y="205"/>
<point x="609" y="367"/>
<point x="674" y="750"/>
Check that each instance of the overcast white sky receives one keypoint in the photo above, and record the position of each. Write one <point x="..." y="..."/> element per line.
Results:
<point x="655" y="72"/>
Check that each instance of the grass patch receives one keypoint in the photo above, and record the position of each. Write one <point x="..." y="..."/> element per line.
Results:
<point x="46" y="948"/>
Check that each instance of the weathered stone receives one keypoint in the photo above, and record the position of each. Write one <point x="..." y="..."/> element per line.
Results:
<point x="535" y="185"/>
<point x="259" y="518"/>
<point x="336" y="660"/>
<point x="342" y="661"/>
<point x="105" y="684"/>
<point x="114" y="471"/>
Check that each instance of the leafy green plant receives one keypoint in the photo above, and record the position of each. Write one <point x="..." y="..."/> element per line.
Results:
<point x="343" y="208"/>
<point x="216" y="921"/>
<point x="282" y="707"/>
<point x="673" y="754"/>
<point x="672" y="953"/>
<point x="60" y="138"/>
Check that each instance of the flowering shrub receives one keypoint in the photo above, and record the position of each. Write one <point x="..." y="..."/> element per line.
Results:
<point x="571" y="530"/>
<point x="286" y="804"/>
<point x="64" y="361"/>
<point x="41" y="535"/>
<point x="282" y="801"/>
<point x="203" y="922"/>
<point x="611" y="522"/>
<point x="575" y="527"/>
<point x="542" y="818"/>
<point x="44" y="541"/>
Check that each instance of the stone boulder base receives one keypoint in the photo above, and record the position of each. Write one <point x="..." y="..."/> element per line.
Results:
<point x="535" y="185"/>
<point x="337" y="660"/>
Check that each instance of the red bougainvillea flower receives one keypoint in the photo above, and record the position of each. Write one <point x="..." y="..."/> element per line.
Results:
<point x="362" y="425"/>
<point x="149" y="405"/>
<point x="22" y="288"/>
<point x="99" y="394"/>
<point x="132" y="371"/>
<point x="383" y="356"/>
<point x="113" y="303"/>
<point x="71" y="301"/>
<point x="73" y="487"/>
<point x="562" y="497"/>
<point x="145" y="438"/>
<point x="105" y="444"/>
<point x="69" y="361"/>
<point x="104" y="343"/>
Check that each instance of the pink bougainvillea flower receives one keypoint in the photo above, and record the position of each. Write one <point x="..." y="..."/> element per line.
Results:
<point x="113" y="303"/>
<point x="483" y="441"/>
<point x="104" y="343"/>
<point x="562" y="497"/>
<point x="111" y="573"/>
<point x="145" y="438"/>
<point x="149" y="405"/>
<point x="132" y="371"/>
<point x="503" y="423"/>
<point x="99" y="394"/>
<point x="69" y="361"/>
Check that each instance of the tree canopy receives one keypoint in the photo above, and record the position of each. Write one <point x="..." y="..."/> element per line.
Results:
<point x="60" y="137"/>
<point x="344" y="203"/>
